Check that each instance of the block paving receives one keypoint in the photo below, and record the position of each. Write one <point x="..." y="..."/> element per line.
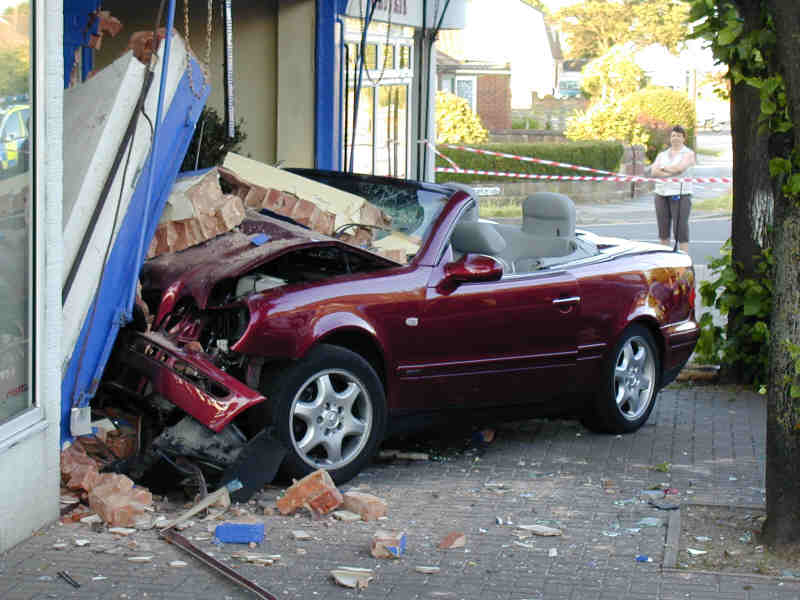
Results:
<point x="550" y="472"/>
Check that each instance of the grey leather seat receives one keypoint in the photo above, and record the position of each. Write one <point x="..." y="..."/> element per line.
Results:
<point x="479" y="237"/>
<point x="548" y="225"/>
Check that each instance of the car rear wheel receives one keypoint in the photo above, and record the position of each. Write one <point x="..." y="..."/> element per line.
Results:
<point x="629" y="385"/>
<point x="330" y="412"/>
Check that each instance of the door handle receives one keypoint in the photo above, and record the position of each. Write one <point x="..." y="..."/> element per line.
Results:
<point x="569" y="300"/>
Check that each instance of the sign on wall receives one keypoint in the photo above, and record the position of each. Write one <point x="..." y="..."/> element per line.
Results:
<point x="409" y="12"/>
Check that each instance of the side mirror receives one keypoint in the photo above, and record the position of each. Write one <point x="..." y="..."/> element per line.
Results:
<point x="471" y="268"/>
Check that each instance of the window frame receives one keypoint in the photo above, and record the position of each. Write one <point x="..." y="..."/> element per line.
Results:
<point x="33" y="419"/>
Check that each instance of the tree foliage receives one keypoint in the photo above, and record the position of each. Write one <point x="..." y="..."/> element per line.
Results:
<point x="15" y="72"/>
<point x="211" y="138"/>
<point x="593" y="27"/>
<point x="612" y="75"/>
<point x="758" y="41"/>
<point x="455" y="121"/>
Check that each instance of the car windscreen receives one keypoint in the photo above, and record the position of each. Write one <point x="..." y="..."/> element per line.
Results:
<point x="413" y="209"/>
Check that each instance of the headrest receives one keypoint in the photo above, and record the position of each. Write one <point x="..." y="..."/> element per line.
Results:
<point x="477" y="237"/>
<point x="550" y="214"/>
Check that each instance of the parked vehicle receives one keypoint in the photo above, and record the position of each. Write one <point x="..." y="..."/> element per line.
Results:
<point x="335" y="346"/>
<point x="13" y="133"/>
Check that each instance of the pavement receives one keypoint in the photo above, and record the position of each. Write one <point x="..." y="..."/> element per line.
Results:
<point x="551" y="472"/>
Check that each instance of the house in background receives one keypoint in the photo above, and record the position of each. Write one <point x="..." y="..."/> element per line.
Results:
<point x="508" y="32"/>
<point x="486" y="86"/>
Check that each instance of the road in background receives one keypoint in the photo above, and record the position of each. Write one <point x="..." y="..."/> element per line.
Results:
<point x="706" y="235"/>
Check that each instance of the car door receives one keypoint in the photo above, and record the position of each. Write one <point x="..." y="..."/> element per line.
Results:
<point x="504" y="342"/>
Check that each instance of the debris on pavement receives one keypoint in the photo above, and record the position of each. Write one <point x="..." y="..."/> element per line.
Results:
<point x="665" y="505"/>
<point x="316" y="490"/>
<point x="454" y="539"/>
<point x="427" y="570"/>
<point x="542" y="530"/>
<point x="695" y="552"/>
<point x="650" y="522"/>
<point x="140" y="559"/>
<point x="240" y="533"/>
<point x="68" y="578"/>
<point x="265" y="560"/>
<point x="300" y="536"/>
<point x="346" y="515"/>
<point x="353" y="577"/>
<point x="552" y="552"/>
<point x="643" y="558"/>
<point x="221" y="494"/>
<point x="181" y="542"/>
<point x="368" y="506"/>
<point x="402" y="455"/>
<point x="388" y="544"/>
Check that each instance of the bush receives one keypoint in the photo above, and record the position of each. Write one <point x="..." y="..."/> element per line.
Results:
<point x="215" y="144"/>
<point x="525" y="123"/>
<point x="455" y="121"/>
<point x="747" y="304"/>
<point x="658" y="110"/>
<point x="597" y="155"/>
<point x="614" y="121"/>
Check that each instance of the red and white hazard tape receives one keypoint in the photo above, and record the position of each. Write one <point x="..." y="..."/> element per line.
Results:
<point x="618" y="178"/>
<point x="609" y="176"/>
<point x="540" y="161"/>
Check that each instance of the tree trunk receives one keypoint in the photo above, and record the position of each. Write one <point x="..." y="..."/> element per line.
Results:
<point x="782" y="527"/>
<point x="753" y="196"/>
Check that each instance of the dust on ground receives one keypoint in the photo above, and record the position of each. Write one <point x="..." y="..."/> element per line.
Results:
<point x="727" y="539"/>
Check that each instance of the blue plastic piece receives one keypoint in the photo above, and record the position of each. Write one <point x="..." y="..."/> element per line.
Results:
<point x="259" y="239"/>
<point x="240" y="533"/>
<point x="643" y="558"/>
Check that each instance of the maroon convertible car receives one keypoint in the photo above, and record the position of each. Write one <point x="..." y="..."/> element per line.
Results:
<point x="334" y="346"/>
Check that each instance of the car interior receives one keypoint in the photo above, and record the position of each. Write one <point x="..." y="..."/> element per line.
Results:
<point x="545" y="238"/>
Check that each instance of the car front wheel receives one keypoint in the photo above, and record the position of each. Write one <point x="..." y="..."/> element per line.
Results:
<point x="629" y="385"/>
<point x="329" y="411"/>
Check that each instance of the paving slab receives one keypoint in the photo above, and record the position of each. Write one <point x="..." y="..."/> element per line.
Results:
<point x="549" y="472"/>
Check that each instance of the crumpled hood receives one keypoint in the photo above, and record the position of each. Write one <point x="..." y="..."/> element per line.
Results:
<point x="197" y="269"/>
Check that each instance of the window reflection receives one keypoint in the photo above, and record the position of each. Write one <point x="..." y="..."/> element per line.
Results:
<point x="16" y="122"/>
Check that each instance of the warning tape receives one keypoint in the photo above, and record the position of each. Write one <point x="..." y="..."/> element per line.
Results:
<point x="618" y="178"/>
<point x="609" y="176"/>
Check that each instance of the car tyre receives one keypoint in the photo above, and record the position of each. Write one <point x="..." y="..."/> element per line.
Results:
<point x="329" y="410"/>
<point x="629" y="385"/>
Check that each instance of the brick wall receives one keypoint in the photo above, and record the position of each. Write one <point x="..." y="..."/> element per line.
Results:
<point x="494" y="101"/>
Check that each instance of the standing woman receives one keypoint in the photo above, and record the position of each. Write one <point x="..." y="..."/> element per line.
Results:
<point x="673" y="199"/>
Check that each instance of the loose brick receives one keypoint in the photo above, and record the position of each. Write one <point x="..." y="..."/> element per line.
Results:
<point x="454" y="539"/>
<point x="315" y="490"/>
<point x="368" y="506"/>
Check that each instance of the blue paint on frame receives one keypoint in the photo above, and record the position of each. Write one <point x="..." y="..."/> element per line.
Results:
<point x="110" y="310"/>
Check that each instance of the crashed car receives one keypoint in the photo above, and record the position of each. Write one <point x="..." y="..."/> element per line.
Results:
<point x="336" y="346"/>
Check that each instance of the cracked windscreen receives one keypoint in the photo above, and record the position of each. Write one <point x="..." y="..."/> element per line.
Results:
<point x="412" y="210"/>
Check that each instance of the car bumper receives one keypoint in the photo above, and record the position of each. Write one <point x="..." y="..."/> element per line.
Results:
<point x="680" y="340"/>
<point x="189" y="379"/>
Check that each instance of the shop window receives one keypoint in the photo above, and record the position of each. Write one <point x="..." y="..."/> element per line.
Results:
<point x="16" y="217"/>
<point x="388" y="56"/>
<point x="371" y="56"/>
<point x="405" y="57"/>
<point x="360" y="143"/>
<point x="352" y="55"/>
<point x="391" y="131"/>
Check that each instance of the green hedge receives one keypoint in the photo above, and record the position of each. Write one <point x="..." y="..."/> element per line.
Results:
<point x="597" y="155"/>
